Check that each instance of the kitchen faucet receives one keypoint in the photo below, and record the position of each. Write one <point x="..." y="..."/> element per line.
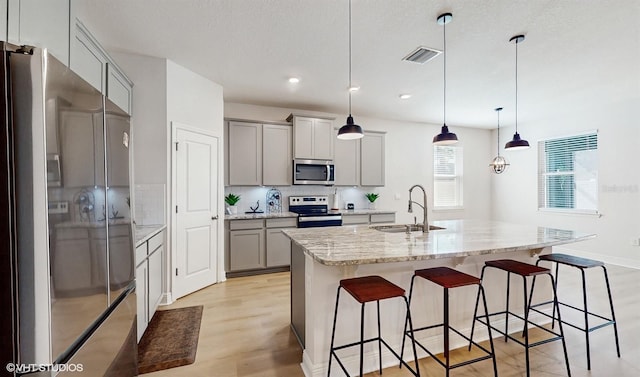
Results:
<point x="425" y="222"/>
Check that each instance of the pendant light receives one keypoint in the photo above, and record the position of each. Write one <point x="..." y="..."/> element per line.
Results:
<point x="445" y="137"/>
<point x="499" y="163"/>
<point x="517" y="143"/>
<point x="350" y="131"/>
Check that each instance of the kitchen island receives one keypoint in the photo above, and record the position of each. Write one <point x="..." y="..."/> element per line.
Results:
<point x="321" y="257"/>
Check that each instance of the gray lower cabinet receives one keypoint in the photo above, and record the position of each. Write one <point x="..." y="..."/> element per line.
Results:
<point x="247" y="249"/>
<point x="368" y="218"/>
<point x="149" y="256"/>
<point x="257" y="245"/>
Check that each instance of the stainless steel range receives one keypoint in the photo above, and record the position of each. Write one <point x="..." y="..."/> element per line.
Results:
<point x="313" y="211"/>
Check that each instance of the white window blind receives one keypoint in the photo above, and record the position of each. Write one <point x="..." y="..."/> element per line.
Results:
<point x="568" y="173"/>
<point x="447" y="176"/>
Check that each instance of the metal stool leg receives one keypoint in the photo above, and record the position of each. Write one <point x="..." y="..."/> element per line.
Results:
<point x="413" y="343"/>
<point x="564" y="343"/>
<point x="586" y="318"/>
<point x="506" y="315"/>
<point x="446" y="330"/>
<point x="333" y="332"/>
<point x="362" y="339"/>
<point x="526" y="321"/>
<point x="379" y="337"/>
<point x="475" y="311"/>
<point x="486" y="312"/>
<point x="406" y="322"/>
<point x="613" y="315"/>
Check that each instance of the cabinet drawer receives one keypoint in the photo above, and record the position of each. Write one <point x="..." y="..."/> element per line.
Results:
<point x="156" y="241"/>
<point x="383" y="218"/>
<point x="141" y="253"/>
<point x="355" y="219"/>
<point x="289" y="222"/>
<point x="245" y="224"/>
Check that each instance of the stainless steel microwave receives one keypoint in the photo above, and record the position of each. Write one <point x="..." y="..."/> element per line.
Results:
<point x="313" y="172"/>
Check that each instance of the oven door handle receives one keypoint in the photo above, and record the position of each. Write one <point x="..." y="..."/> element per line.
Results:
<point x="306" y="219"/>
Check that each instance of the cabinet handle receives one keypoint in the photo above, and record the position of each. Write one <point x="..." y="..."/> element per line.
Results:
<point x="214" y="217"/>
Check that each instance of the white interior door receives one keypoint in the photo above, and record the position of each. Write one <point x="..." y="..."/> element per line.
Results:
<point x="196" y="211"/>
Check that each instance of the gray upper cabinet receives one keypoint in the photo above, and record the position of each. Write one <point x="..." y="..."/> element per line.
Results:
<point x="3" y="20"/>
<point x="39" y="23"/>
<point x="119" y="87"/>
<point x="87" y="58"/>
<point x="91" y="62"/>
<point x="347" y="162"/>
<point x="245" y="153"/>
<point x="277" y="156"/>
<point x="258" y="154"/>
<point x="312" y="137"/>
<point x="372" y="159"/>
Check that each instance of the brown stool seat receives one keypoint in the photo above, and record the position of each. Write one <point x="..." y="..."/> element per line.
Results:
<point x="520" y="268"/>
<point x="570" y="260"/>
<point x="367" y="289"/>
<point x="447" y="277"/>
<point x="371" y="288"/>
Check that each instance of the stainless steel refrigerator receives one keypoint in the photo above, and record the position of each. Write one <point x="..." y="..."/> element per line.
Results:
<point x="66" y="256"/>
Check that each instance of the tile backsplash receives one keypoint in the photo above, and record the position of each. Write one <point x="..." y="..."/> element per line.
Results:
<point x="149" y="204"/>
<point x="250" y="195"/>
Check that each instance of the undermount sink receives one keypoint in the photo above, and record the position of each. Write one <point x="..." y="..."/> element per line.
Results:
<point x="403" y="228"/>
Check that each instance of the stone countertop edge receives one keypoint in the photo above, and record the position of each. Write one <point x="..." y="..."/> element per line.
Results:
<point x="145" y="232"/>
<point x="251" y="216"/>
<point x="345" y="212"/>
<point x="363" y="211"/>
<point x="338" y="247"/>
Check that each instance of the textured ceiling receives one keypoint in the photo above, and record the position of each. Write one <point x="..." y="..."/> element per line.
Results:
<point x="251" y="47"/>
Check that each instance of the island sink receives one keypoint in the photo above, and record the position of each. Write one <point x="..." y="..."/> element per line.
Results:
<point x="403" y="228"/>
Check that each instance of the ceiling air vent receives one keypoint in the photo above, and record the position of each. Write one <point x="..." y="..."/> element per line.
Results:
<point x="421" y="55"/>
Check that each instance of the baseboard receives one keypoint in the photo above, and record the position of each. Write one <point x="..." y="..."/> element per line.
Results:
<point x="166" y="299"/>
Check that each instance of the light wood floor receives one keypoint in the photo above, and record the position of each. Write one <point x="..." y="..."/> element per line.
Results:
<point x="245" y="332"/>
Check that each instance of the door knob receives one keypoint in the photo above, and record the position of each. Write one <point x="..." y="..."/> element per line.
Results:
<point x="214" y="217"/>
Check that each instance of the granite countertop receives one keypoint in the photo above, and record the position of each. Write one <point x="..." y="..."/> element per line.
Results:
<point x="144" y="232"/>
<point x="363" y="211"/>
<point x="250" y="216"/>
<point x="360" y="244"/>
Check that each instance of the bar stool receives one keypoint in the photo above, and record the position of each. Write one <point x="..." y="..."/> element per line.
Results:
<point x="449" y="278"/>
<point x="524" y="270"/>
<point x="368" y="289"/>
<point x="581" y="264"/>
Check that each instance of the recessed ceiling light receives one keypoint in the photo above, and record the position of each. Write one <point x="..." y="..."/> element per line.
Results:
<point x="404" y="96"/>
<point x="354" y="88"/>
<point x="294" y="80"/>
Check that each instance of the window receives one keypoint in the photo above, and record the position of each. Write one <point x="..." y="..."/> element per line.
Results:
<point x="447" y="176"/>
<point x="568" y="173"/>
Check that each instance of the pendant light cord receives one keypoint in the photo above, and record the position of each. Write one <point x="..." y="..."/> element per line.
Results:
<point x="517" y="85"/>
<point x="444" y="90"/>
<point x="350" y="86"/>
<point x="498" y="133"/>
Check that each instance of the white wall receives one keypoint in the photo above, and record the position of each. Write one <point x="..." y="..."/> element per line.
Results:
<point x="409" y="161"/>
<point x="149" y="115"/>
<point x="613" y="112"/>
<point x="195" y="101"/>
